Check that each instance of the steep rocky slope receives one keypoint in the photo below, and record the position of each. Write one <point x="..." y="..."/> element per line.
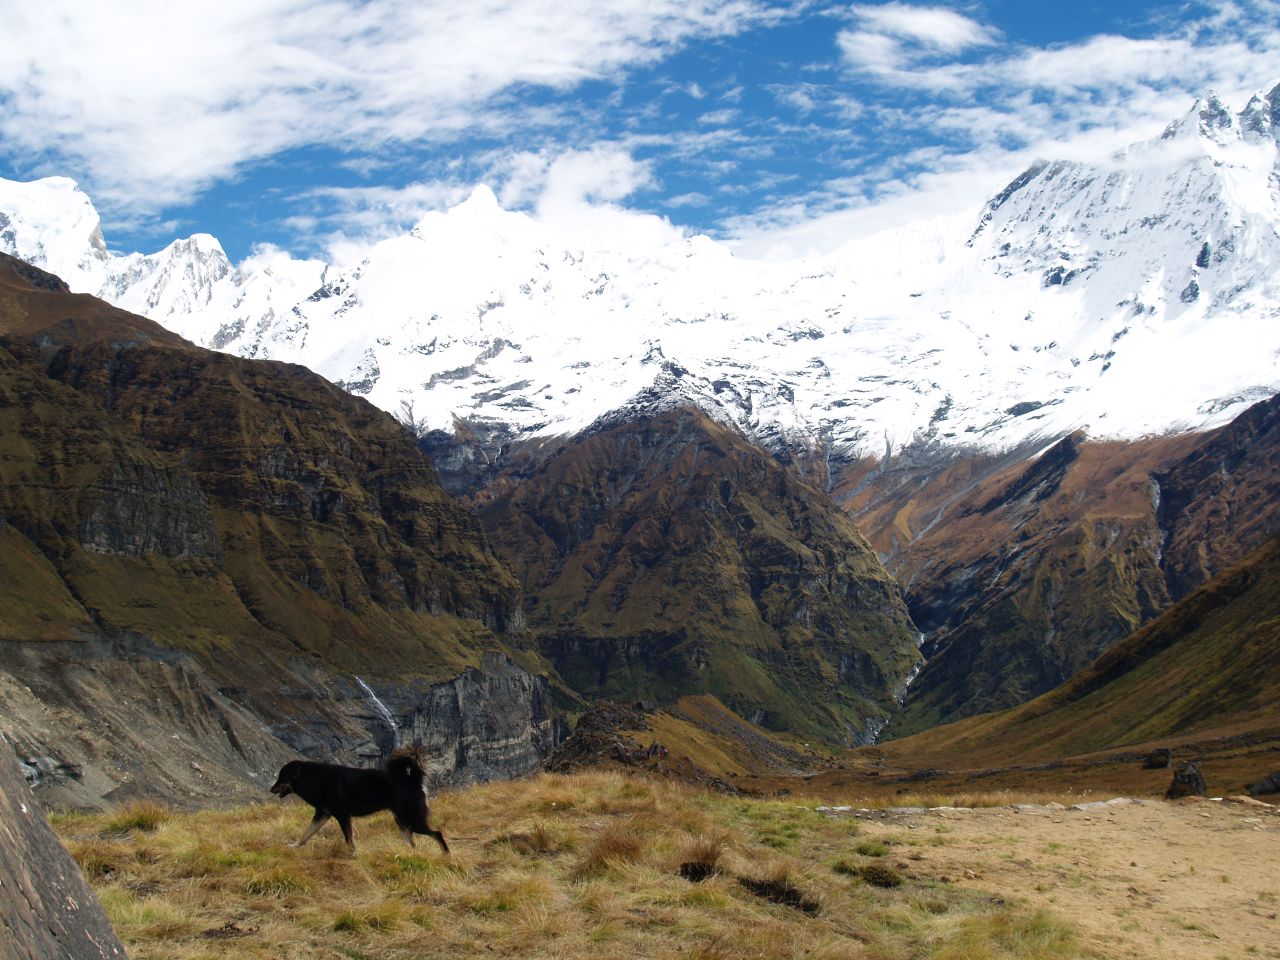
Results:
<point x="1022" y="569"/>
<point x="666" y="555"/>
<point x="273" y="540"/>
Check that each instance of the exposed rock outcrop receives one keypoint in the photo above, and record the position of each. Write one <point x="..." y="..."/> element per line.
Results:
<point x="1187" y="782"/>
<point x="1221" y="501"/>
<point x="1022" y="568"/>
<point x="46" y="907"/>
<point x="491" y="722"/>
<point x="1267" y="785"/>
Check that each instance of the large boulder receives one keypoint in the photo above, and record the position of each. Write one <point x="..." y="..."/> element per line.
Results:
<point x="1269" y="784"/>
<point x="1159" y="759"/>
<point x="1187" y="782"/>
<point x="47" y="908"/>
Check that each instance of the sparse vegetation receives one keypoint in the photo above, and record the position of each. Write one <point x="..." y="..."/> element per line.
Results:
<point x="564" y="866"/>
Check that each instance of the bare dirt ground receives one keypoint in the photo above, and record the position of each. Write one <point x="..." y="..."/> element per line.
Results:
<point x="1149" y="879"/>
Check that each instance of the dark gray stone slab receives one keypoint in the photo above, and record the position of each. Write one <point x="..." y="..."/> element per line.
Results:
<point x="47" y="909"/>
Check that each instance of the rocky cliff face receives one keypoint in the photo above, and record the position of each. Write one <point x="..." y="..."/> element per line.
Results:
<point x="230" y="543"/>
<point x="665" y="555"/>
<point x="1218" y="503"/>
<point x="487" y="723"/>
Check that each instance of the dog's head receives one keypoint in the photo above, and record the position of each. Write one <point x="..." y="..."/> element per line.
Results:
<point x="288" y="775"/>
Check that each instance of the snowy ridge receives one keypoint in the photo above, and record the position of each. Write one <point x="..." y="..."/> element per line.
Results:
<point x="1133" y="296"/>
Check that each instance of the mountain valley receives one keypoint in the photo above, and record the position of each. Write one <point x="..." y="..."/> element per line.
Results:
<point x="1008" y="462"/>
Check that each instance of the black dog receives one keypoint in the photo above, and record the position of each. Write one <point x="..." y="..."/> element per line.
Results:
<point x="346" y="792"/>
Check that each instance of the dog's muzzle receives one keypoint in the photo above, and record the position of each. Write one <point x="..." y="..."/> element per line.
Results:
<point x="281" y="789"/>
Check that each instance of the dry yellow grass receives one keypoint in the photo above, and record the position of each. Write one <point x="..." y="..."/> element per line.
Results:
<point x="578" y="866"/>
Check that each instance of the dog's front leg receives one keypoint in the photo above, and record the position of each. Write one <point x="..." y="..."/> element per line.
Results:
<point x="344" y="822"/>
<point x="408" y="835"/>
<point x="316" y="823"/>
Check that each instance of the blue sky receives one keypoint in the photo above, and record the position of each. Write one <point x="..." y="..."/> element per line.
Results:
<point x="781" y="128"/>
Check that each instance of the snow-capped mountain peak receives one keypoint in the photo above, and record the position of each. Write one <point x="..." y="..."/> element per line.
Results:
<point x="1260" y="119"/>
<point x="52" y="222"/>
<point x="1134" y="295"/>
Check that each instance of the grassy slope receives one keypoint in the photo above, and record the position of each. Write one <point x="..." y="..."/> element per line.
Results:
<point x="1210" y="663"/>
<point x="567" y="867"/>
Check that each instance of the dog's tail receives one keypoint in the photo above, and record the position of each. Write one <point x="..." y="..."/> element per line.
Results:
<point x="410" y="760"/>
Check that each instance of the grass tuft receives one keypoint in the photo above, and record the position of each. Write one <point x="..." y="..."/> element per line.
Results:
<point x="281" y="881"/>
<point x="615" y="845"/>
<point x="141" y="815"/>
<point x="879" y="875"/>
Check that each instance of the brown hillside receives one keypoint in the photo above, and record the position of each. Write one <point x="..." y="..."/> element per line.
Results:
<point x="666" y="556"/>
<point x="264" y="534"/>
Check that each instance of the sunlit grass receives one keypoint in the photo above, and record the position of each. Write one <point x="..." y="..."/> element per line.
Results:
<point x="578" y="866"/>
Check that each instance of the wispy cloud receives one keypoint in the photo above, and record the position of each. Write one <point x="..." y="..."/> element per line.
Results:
<point x="156" y="101"/>
<point x="890" y="39"/>
<point x="783" y="125"/>
<point x="935" y="27"/>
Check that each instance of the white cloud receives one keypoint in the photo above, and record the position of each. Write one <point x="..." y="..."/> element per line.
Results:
<point x="340" y="217"/>
<point x="156" y="100"/>
<point x="893" y="38"/>
<point x="719" y="118"/>
<point x="603" y="174"/>
<point x="935" y="27"/>
<point x="873" y="52"/>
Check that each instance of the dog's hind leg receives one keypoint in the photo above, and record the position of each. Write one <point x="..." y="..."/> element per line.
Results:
<point x="439" y="838"/>
<point x="316" y="823"/>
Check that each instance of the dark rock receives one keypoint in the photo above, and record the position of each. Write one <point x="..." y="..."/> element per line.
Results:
<point x="1187" y="782"/>
<point x="1231" y="474"/>
<point x="1042" y="478"/>
<point x="1202" y="258"/>
<point x="486" y="724"/>
<point x="783" y="892"/>
<point x="1269" y="784"/>
<point x="136" y="509"/>
<point x="1159" y="759"/>
<point x="47" y="908"/>
<point x="695" y="871"/>
<point x="1023" y="408"/>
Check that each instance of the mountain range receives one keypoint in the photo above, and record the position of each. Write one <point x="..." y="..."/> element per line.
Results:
<point x="1071" y="300"/>
<point x="935" y="473"/>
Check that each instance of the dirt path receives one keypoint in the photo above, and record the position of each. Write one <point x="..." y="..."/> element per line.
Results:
<point x="1146" y="879"/>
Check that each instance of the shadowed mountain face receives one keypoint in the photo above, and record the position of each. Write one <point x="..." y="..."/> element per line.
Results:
<point x="248" y="522"/>
<point x="666" y="556"/>
<point x="1210" y="664"/>
<point x="1022" y="570"/>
